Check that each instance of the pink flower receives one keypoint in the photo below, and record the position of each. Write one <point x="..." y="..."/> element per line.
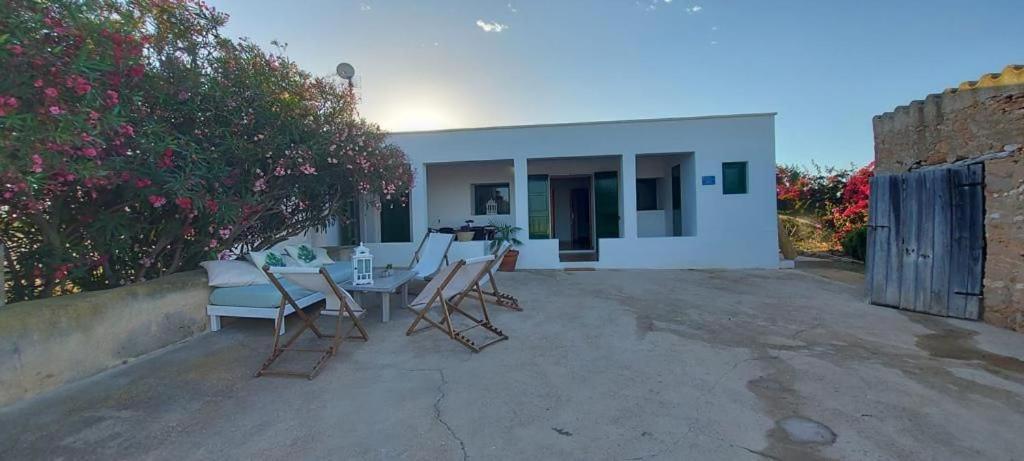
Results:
<point x="142" y="182"/>
<point x="93" y="115"/>
<point x="225" y="232"/>
<point x="55" y="110"/>
<point x="157" y="201"/>
<point x="38" y="83"/>
<point x="127" y="130"/>
<point x="184" y="203"/>
<point x="279" y="171"/>
<point x="307" y="169"/>
<point x="50" y="92"/>
<point x="37" y="163"/>
<point x="113" y="98"/>
<point x="16" y="49"/>
<point x="167" y="160"/>
<point x="89" y="152"/>
<point x="213" y="244"/>
<point x="261" y="184"/>
<point x="136" y="71"/>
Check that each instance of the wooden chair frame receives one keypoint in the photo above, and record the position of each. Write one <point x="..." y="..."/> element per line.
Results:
<point x="309" y="323"/>
<point x="452" y="305"/>
<point x="499" y="297"/>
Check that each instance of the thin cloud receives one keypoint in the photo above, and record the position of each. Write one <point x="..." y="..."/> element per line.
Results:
<point x="512" y="8"/>
<point x="694" y="9"/>
<point x="491" y="26"/>
<point x="365" y="7"/>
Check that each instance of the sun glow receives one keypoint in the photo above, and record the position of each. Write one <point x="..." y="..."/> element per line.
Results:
<point x="419" y="118"/>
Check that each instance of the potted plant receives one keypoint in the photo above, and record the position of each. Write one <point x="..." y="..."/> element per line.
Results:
<point x="503" y="233"/>
<point x="465" y="232"/>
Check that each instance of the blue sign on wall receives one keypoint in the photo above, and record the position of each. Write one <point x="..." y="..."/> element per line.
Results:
<point x="707" y="180"/>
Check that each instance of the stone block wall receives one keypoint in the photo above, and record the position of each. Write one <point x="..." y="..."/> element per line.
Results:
<point x="979" y="119"/>
<point x="974" y="119"/>
<point x="1004" y="234"/>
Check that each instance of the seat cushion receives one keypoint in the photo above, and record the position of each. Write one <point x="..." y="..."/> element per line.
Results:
<point x="340" y="271"/>
<point x="264" y="295"/>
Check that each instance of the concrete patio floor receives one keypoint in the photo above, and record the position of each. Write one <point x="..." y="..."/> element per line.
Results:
<point x="600" y="365"/>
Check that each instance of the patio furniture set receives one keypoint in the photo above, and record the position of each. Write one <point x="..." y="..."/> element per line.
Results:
<point x="297" y="282"/>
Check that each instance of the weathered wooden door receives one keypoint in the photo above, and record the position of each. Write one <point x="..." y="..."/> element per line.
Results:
<point x="926" y="241"/>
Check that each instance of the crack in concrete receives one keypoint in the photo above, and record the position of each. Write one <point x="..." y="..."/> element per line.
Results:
<point x="437" y="409"/>
<point x="758" y="453"/>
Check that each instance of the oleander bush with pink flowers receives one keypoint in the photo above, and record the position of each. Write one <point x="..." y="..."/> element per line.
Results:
<point x="137" y="141"/>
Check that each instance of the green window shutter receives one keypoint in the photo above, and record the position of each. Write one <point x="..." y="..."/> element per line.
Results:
<point x="394" y="221"/>
<point x="734" y="178"/>
<point x="606" y="204"/>
<point x="539" y="206"/>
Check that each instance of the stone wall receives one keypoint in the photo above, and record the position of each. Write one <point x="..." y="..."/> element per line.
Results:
<point x="49" y="342"/>
<point x="979" y="118"/>
<point x="1004" y="234"/>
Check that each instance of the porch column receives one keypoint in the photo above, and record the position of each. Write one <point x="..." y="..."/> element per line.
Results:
<point x="418" y="217"/>
<point x="520" y="186"/>
<point x="629" y="196"/>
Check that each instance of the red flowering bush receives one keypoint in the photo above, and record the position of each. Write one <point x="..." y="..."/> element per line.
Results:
<point x="136" y="141"/>
<point x="835" y="198"/>
<point x="851" y="212"/>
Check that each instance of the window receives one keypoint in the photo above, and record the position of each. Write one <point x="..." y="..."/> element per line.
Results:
<point x="734" y="178"/>
<point x="394" y="220"/>
<point x="647" y="194"/>
<point x="484" y="193"/>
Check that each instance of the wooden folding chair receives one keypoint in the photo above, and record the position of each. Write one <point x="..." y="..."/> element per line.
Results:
<point x="452" y="285"/>
<point x="431" y="254"/>
<point x="499" y="297"/>
<point x="337" y="302"/>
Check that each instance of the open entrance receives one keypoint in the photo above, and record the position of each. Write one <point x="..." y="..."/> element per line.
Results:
<point x="571" y="214"/>
<point x="576" y="201"/>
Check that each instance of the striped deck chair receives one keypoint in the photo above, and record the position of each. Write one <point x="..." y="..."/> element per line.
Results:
<point x="448" y="290"/>
<point x="499" y="297"/>
<point x="337" y="302"/>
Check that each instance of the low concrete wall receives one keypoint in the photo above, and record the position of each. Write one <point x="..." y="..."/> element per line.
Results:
<point x="50" y="342"/>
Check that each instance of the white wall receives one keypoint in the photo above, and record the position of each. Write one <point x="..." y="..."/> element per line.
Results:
<point x="728" y="231"/>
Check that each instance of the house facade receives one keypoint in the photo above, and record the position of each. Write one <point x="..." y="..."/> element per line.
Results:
<point x="674" y="193"/>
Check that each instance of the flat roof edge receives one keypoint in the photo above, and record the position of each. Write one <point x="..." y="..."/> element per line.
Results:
<point x="597" y="122"/>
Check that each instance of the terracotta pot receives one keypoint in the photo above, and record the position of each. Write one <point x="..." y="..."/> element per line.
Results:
<point x="464" y="236"/>
<point x="508" y="263"/>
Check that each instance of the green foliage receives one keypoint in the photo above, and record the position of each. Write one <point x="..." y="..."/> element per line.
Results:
<point x="136" y="141"/>
<point x="505" y="232"/>
<point x="306" y="254"/>
<point x="855" y="243"/>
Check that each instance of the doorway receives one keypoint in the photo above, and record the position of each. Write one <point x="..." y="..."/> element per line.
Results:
<point x="572" y="213"/>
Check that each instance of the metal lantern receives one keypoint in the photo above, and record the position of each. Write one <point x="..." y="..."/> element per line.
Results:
<point x="362" y="266"/>
<point x="491" y="207"/>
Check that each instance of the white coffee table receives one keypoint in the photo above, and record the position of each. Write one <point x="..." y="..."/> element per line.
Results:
<point x="397" y="281"/>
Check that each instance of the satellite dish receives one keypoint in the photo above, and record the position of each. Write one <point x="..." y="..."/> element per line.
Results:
<point x="345" y="71"/>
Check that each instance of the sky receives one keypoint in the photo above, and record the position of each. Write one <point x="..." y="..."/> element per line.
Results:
<point x="825" y="66"/>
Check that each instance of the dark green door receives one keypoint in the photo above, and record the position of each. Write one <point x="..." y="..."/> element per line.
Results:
<point x="394" y="221"/>
<point x="606" y="204"/>
<point x="539" y="206"/>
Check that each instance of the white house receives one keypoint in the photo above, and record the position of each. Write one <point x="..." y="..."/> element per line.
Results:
<point x="695" y="192"/>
